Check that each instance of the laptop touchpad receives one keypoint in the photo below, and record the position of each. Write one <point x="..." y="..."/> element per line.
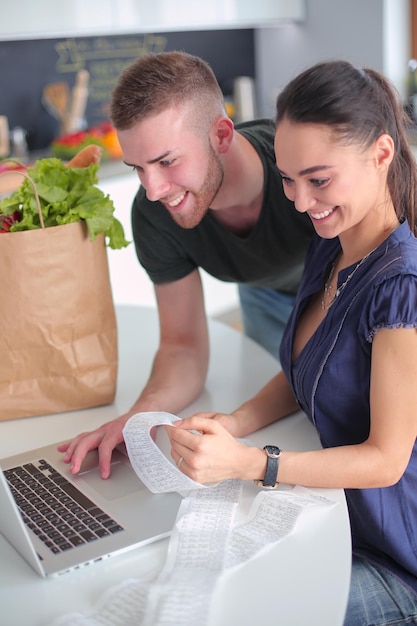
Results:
<point x="122" y="481"/>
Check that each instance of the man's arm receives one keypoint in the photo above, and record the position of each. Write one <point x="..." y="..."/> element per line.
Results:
<point x="181" y="362"/>
<point x="178" y="373"/>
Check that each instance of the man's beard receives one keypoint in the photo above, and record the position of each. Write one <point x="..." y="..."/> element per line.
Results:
<point x="206" y="195"/>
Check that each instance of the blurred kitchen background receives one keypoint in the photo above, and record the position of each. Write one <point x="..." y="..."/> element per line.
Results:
<point x="60" y="61"/>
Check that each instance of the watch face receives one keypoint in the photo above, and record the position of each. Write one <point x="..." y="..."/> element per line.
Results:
<point x="272" y="450"/>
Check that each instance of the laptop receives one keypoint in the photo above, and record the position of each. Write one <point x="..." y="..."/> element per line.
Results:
<point x="59" y="522"/>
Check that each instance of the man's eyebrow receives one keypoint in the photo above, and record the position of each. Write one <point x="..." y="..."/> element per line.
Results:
<point x="151" y="161"/>
<point x="161" y="157"/>
<point x="309" y="170"/>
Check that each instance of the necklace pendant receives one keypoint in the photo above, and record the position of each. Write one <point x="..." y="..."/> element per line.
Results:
<point x="328" y="288"/>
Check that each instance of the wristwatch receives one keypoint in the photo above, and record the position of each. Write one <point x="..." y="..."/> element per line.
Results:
<point x="270" y="480"/>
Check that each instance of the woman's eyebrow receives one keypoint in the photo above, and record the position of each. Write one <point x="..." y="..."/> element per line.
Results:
<point x="308" y="170"/>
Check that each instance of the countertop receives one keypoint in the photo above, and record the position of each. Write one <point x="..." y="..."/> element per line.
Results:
<point x="303" y="579"/>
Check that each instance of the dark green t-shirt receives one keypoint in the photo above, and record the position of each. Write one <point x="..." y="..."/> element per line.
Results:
<point x="272" y="255"/>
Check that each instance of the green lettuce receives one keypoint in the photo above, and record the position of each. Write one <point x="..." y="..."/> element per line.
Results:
<point x="66" y="195"/>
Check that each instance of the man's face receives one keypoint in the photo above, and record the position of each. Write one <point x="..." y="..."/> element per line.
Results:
<point x="176" y="166"/>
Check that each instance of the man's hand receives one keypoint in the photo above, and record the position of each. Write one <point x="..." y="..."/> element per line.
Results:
<point x="105" y="439"/>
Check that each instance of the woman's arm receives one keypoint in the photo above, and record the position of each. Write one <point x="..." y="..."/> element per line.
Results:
<point x="380" y="461"/>
<point x="274" y="401"/>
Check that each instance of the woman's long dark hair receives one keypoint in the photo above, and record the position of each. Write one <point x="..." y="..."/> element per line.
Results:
<point x="359" y="105"/>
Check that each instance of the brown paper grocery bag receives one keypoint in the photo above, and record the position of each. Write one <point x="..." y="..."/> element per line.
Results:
<point x="58" y="340"/>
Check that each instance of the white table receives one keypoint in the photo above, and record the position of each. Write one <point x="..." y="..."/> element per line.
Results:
<point x="304" y="579"/>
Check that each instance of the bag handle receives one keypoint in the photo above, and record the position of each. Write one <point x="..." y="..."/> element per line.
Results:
<point x="30" y="179"/>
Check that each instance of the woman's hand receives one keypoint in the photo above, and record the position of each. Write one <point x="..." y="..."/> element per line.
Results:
<point x="229" y="421"/>
<point x="210" y="453"/>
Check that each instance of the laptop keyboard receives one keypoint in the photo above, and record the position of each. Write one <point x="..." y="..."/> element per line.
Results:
<point x="55" y="510"/>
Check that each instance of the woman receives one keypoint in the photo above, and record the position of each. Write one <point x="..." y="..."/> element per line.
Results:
<point x="349" y="353"/>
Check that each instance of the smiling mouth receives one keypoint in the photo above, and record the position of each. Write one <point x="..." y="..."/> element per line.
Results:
<point x="174" y="203"/>
<point x="322" y="215"/>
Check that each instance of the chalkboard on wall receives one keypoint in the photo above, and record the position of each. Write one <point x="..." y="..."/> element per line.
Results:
<point x="28" y="65"/>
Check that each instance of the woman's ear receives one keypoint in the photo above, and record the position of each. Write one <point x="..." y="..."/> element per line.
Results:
<point x="384" y="150"/>
<point x="222" y="134"/>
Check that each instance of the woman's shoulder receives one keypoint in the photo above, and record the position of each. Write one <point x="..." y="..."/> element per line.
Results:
<point x="389" y="297"/>
<point x="397" y="256"/>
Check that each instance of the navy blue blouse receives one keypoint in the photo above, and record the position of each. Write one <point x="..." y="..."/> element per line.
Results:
<point x="331" y="381"/>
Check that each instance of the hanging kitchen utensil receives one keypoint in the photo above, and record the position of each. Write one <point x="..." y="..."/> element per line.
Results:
<point x="244" y="99"/>
<point x="56" y="97"/>
<point x="76" y="120"/>
<point x="4" y="137"/>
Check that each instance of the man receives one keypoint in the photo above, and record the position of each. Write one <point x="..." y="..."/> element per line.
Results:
<point x="210" y="197"/>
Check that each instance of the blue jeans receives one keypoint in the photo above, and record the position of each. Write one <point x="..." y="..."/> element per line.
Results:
<point x="378" y="598"/>
<point x="264" y="315"/>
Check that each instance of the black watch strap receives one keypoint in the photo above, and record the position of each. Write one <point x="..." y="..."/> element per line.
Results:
<point x="272" y="464"/>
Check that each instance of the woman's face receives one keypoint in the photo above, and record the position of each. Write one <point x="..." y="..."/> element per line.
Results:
<point x="339" y="186"/>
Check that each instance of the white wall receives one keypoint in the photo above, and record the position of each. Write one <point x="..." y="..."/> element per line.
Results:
<point x="397" y="42"/>
<point x="372" y="33"/>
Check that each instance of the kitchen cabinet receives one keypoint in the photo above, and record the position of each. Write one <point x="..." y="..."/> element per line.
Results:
<point x="25" y="20"/>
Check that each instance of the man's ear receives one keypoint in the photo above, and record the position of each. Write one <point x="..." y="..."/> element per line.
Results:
<point x="222" y="134"/>
<point x="384" y="150"/>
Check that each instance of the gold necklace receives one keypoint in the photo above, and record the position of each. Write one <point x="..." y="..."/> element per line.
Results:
<point x="328" y="299"/>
